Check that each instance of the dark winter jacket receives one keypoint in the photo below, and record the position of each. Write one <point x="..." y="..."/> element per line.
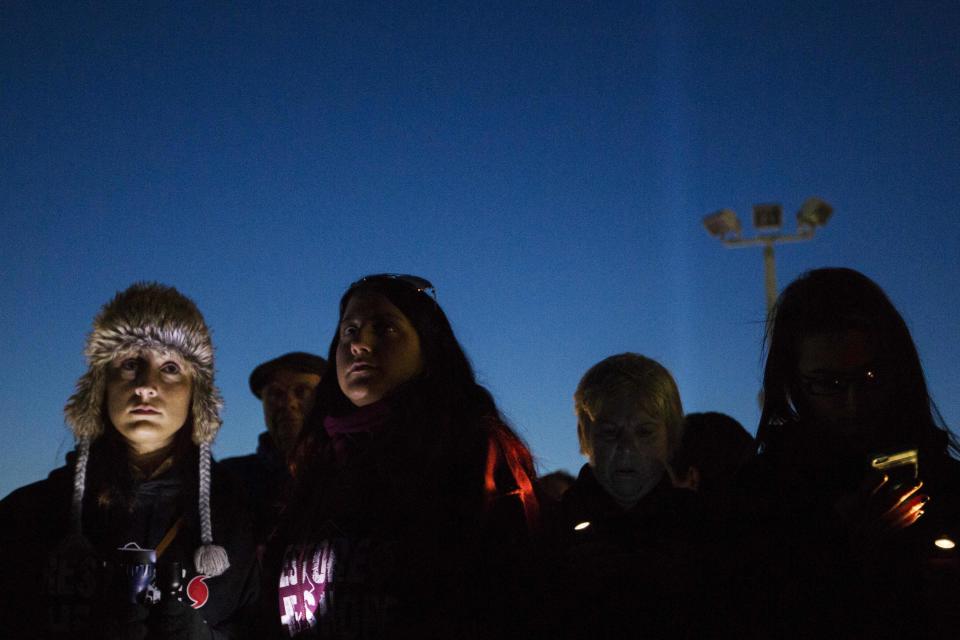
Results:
<point x="615" y="572"/>
<point x="805" y="571"/>
<point x="264" y="476"/>
<point x="55" y="586"/>
<point x="384" y="548"/>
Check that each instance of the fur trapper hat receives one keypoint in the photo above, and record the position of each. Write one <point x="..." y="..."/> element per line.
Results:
<point x="149" y="315"/>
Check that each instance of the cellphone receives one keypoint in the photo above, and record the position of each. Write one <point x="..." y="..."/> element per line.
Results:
<point x="902" y="468"/>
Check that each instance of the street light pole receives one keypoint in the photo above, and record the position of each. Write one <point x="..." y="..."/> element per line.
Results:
<point x="767" y="220"/>
<point x="769" y="275"/>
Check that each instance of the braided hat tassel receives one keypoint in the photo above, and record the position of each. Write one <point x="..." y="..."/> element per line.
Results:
<point x="209" y="559"/>
<point x="79" y="484"/>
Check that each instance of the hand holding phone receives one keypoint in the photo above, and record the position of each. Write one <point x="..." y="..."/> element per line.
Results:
<point x="902" y="469"/>
<point x="889" y="498"/>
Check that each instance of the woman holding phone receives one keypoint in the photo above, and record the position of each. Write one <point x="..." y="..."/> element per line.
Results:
<point x="840" y="548"/>
<point x="413" y="500"/>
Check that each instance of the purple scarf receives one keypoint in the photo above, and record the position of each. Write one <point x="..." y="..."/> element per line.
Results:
<point x="356" y="427"/>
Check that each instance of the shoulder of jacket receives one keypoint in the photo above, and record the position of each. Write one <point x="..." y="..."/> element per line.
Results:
<point x="34" y="508"/>
<point x="58" y="480"/>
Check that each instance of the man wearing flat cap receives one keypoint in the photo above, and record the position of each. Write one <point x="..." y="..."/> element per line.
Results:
<point x="285" y="386"/>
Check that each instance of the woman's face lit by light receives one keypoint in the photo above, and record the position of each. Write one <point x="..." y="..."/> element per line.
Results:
<point x="378" y="350"/>
<point x="148" y="398"/>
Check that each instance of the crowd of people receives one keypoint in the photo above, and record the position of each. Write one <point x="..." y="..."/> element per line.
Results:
<point x="389" y="498"/>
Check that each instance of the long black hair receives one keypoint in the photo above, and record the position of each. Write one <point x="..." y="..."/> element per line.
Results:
<point x="439" y="418"/>
<point x="834" y="300"/>
<point x="447" y="372"/>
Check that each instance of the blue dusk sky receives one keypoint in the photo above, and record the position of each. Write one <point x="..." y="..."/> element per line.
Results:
<point x="546" y="164"/>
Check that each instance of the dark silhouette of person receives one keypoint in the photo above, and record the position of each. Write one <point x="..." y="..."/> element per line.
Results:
<point x="285" y="385"/>
<point x="832" y="547"/>
<point x="621" y="555"/>
<point x="714" y="448"/>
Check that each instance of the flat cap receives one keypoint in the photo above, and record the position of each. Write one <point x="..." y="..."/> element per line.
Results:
<point x="293" y="361"/>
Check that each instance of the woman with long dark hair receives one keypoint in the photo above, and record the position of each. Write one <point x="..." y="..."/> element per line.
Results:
<point x="842" y="548"/>
<point x="412" y="501"/>
<point x="840" y="313"/>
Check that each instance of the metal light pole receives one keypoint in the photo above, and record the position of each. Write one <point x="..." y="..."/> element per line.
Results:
<point x="767" y="220"/>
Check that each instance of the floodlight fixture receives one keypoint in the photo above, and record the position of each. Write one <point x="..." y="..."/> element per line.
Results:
<point x="814" y="213"/>
<point x="722" y="224"/>
<point x="768" y="222"/>
<point x="767" y="217"/>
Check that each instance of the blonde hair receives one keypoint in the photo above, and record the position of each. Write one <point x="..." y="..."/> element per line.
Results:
<point x="633" y="375"/>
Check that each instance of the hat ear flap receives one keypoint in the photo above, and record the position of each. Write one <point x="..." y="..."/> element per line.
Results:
<point x="206" y="406"/>
<point x="84" y="409"/>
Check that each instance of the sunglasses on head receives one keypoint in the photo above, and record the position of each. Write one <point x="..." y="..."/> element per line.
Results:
<point x="416" y="282"/>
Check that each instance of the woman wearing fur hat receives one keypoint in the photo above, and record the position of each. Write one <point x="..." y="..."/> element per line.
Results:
<point x="119" y="543"/>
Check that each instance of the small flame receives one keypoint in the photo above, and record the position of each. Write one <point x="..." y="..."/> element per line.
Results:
<point x="581" y="526"/>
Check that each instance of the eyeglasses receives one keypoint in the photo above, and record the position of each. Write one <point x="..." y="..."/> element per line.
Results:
<point x="420" y="284"/>
<point x="834" y="385"/>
